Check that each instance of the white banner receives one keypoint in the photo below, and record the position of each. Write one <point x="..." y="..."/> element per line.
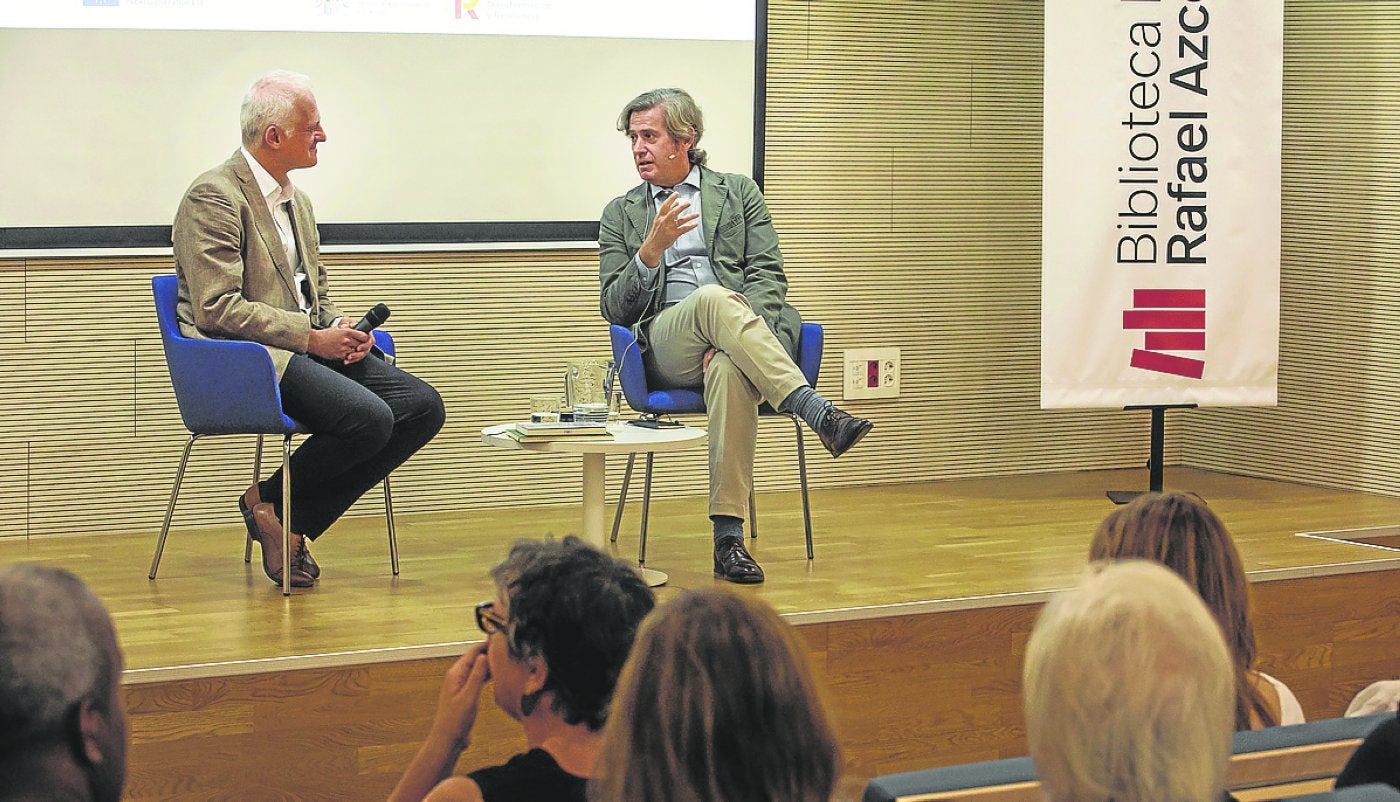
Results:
<point x="1161" y="202"/>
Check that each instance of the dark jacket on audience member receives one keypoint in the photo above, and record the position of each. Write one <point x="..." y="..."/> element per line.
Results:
<point x="1377" y="759"/>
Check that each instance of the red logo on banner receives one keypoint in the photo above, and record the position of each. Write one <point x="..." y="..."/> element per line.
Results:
<point x="1173" y="320"/>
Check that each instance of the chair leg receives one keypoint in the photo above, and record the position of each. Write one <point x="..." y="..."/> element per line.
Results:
<point x="257" y="477"/>
<point x="287" y="515"/>
<point x="753" y="515"/>
<point x="646" y="510"/>
<point x="622" y="497"/>
<point x="170" y="508"/>
<point x="802" y="477"/>
<point x="393" y="538"/>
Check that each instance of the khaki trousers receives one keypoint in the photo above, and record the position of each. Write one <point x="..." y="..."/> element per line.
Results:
<point x="750" y="367"/>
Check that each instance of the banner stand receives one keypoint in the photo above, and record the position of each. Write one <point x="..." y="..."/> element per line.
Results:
<point x="1156" y="457"/>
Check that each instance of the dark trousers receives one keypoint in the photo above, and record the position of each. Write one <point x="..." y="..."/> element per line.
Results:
<point x="365" y="420"/>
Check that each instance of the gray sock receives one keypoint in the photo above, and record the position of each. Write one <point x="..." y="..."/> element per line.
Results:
<point x="727" y="526"/>
<point x="807" y="404"/>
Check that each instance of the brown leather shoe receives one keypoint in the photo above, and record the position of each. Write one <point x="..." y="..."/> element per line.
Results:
<point x="270" y="538"/>
<point x="251" y="498"/>
<point x="307" y="565"/>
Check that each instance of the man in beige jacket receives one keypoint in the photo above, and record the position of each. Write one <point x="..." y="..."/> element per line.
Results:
<point x="248" y="258"/>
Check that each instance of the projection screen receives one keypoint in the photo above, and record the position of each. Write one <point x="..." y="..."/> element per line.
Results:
<point x="447" y="120"/>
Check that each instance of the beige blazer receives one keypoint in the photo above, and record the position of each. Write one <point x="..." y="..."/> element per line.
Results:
<point x="235" y="282"/>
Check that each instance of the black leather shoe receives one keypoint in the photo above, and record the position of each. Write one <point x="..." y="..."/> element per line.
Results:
<point x="840" y="431"/>
<point x="732" y="562"/>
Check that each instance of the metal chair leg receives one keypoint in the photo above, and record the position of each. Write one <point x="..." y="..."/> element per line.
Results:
<point x="287" y="515"/>
<point x="622" y="497"/>
<point x="802" y="476"/>
<point x="646" y="510"/>
<point x="393" y="538"/>
<point x="170" y="508"/>
<point x="753" y="515"/>
<point x="257" y="477"/>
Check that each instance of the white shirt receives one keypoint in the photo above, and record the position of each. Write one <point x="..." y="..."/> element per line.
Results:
<point x="279" y="200"/>
<point x="1290" y="712"/>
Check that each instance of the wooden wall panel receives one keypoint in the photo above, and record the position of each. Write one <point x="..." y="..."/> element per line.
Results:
<point x="903" y="172"/>
<point x="1339" y="352"/>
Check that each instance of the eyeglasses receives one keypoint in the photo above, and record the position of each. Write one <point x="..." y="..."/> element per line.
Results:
<point x="486" y="620"/>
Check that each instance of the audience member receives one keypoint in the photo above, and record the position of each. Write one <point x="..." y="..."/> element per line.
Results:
<point x="717" y="703"/>
<point x="1377" y="759"/>
<point x="1181" y="532"/>
<point x="1127" y="688"/>
<point x="1378" y="697"/>
<point x="558" y="632"/>
<point x="62" y="721"/>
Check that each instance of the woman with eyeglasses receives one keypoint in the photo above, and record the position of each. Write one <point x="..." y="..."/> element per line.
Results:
<point x="557" y="634"/>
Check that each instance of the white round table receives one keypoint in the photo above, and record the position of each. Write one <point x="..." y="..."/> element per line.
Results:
<point x="627" y="439"/>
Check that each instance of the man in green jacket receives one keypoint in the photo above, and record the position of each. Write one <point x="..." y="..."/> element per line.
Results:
<point x="690" y="261"/>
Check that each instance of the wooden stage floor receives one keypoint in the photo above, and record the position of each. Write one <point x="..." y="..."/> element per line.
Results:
<point x="880" y="551"/>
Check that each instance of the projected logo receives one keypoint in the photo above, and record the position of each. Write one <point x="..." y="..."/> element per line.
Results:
<point x="468" y="6"/>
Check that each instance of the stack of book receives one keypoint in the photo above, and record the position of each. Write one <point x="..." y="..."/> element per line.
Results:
<point x="528" y="432"/>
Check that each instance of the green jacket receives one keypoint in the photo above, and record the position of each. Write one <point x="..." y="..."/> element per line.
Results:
<point x="743" y="254"/>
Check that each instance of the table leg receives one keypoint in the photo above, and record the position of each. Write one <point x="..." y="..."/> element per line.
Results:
<point x="595" y="475"/>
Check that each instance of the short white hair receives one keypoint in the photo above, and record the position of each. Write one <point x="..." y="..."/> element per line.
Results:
<point x="1129" y="690"/>
<point x="51" y="652"/>
<point x="271" y="100"/>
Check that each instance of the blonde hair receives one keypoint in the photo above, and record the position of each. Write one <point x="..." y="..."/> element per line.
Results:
<point x="1127" y="690"/>
<point x="1182" y="533"/>
<point x="716" y="703"/>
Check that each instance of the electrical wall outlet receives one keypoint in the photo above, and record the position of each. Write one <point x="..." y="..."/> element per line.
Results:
<point x="870" y="373"/>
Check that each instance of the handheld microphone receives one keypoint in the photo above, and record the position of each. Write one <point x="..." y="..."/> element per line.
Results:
<point x="373" y="319"/>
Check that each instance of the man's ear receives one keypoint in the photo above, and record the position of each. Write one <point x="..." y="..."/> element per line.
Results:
<point x="538" y="675"/>
<point x="92" y="723"/>
<point x="272" y="136"/>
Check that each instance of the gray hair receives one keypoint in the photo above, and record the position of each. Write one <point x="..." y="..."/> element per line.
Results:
<point x="1129" y="690"/>
<point x="271" y="100"/>
<point x="683" y="117"/>
<point x="52" y="655"/>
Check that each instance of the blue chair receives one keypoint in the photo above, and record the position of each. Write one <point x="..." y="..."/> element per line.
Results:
<point x="1272" y="758"/>
<point x="230" y="387"/>
<point x="651" y="403"/>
